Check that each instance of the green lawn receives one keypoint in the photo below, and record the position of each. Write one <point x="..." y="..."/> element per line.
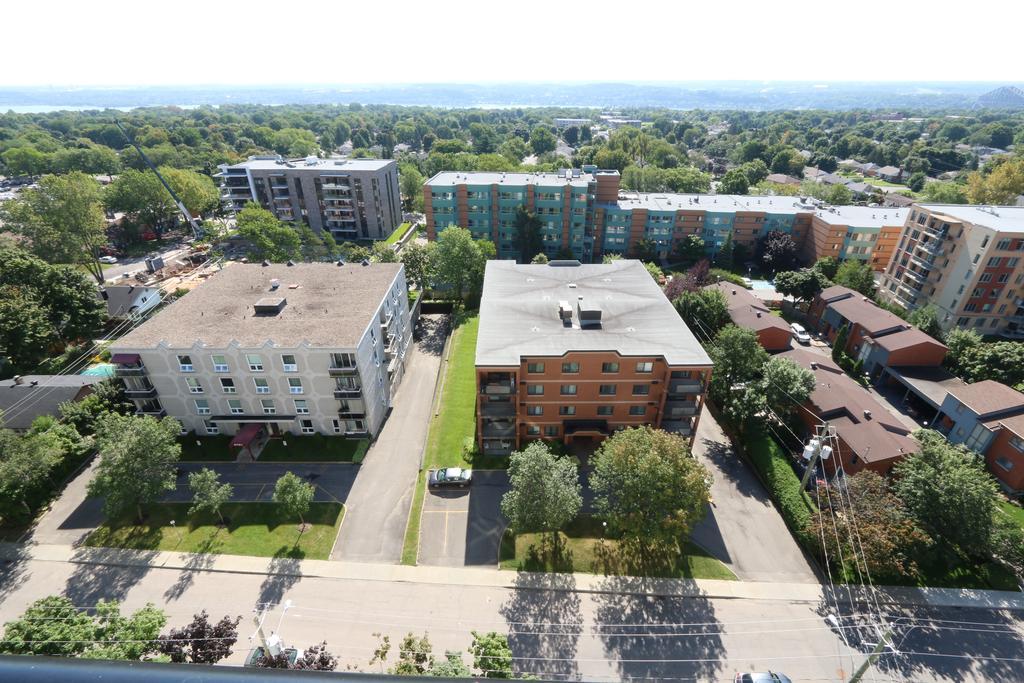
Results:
<point x="206" y="448"/>
<point x="583" y="548"/>
<point x="253" y="529"/>
<point x="411" y="545"/>
<point x="398" y="234"/>
<point x="1014" y="511"/>
<point x="314" y="448"/>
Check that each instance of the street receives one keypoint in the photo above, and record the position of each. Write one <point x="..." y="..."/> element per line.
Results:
<point x="114" y="273"/>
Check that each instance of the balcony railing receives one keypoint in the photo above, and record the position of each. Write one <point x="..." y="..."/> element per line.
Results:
<point x="151" y="411"/>
<point x="498" y="388"/>
<point x="497" y="409"/>
<point x="498" y="430"/>
<point x="149" y="392"/>
<point x="348" y="393"/>
<point x="342" y="370"/>
<point x="130" y="370"/>
<point x="677" y="409"/>
<point x="685" y="386"/>
<point x="352" y="414"/>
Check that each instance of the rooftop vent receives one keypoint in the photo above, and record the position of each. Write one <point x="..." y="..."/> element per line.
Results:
<point x="270" y="305"/>
<point x="364" y="262"/>
<point x="341" y="262"/>
<point x="867" y="414"/>
<point x="814" y="365"/>
<point x="564" y="310"/>
<point x="589" y="313"/>
<point x="290" y="263"/>
<point x="274" y="284"/>
<point x="265" y="264"/>
<point x="564" y="263"/>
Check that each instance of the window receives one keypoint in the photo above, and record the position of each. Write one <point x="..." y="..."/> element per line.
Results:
<point x="960" y="408"/>
<point x="567" y="390"/>
<point x="202" y="406"/>
<point x="288" y="363"/>
<point x="185" y="363"/>
<point x="638" y="410"/>
<point x="268" y="406"/>
<point x="994" y="262"/>
<point x="262" y="386"/>
<point x="567" y="410"/>
<point x="535" y="389"/>
<point x="985" y="277"/>
<point x="645" y="367"/>
<point x="1004" y="463"/>
<point x="336" y="426"/>
<point x="227" y="385"/>
<point x="680" y="374"/>
<point x="551" y="430"/>
<point x="641" y="389"/>
<point x="605" y="410"/>
<point x="570" y="368"/>
<point x="234" y="406"/>
<point x="343" y="360"/>
<point x="532" y="430"/>
<point x="306" y="426"/>
<point x="212" y="428"/>
<point x="607" y="390"/>
<point x="535" y="368"/>
<point x="534" y="410"/>
<point x="194" y="387"/>
<point x="1012" y="262"/>
<point x="979" y="438"/>
<point x="301" y="407"/>
<point x="609" y="368"/>
<point x="254" y="361"/>
<point x="294" y="385"/>
<point x="1017" y="443"/>
<point x="220" y="364"/>
<point x="1003" y="244"/>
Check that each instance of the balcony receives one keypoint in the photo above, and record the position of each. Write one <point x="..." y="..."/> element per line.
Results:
<point x="685" y="386"/>
<point x="149" y="392"/>
<point x="342" y="370"/>
<point x="497" y="409"/>
<point x="348" y="393"/>
<point x="678" y="409"/>
<point x="680" y="427"/>
<point x="130" y="370"/>
<point x="499" y="429"/>
<point x="153" y="411"/>
<point x="352" y="414"/>
<point x="498" y="388"/>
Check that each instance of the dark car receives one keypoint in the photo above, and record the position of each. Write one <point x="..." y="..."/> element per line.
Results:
<point x="452" y="476"/>
<point x="762" y="677"/>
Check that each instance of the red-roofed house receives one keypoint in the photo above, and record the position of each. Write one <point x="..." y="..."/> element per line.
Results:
<point x="749" y="312"/>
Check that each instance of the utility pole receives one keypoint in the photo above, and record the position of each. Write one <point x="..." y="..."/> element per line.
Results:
<point x="883" y="642"/>
<point x="816" y="449"/>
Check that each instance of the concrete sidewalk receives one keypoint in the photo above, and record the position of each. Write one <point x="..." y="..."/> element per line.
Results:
<point x="485" y="577"/>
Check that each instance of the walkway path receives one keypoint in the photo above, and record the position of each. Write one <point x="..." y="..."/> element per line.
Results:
<point x="377" y="507"/>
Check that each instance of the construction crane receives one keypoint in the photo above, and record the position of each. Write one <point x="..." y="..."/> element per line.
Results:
<point x="197" y="231"/>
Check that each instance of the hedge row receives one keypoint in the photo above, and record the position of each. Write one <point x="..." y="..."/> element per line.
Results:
<point x="783" y="485"/>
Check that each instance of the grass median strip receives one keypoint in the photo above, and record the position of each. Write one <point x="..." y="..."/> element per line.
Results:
<point x="258" y="529"/>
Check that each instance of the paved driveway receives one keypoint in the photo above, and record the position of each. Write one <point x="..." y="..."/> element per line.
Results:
<point x="463" y="527"/>
<point x="378" y="506"/>
<point x="254" y="481"/>
<point x="743" y="529"/>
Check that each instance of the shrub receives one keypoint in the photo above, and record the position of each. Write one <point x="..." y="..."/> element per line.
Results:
<point x="783" y="485"/>
<point x="725" y="275"/>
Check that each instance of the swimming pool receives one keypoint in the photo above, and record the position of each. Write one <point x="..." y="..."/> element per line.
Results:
<point x="100" y="370"/>
<point x="762" y="284"/>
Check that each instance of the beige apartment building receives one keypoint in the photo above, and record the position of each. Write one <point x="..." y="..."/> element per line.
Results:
<point x="569" y="352"/>
<point x="966" y="261"/>
<point x="312" y="348"/>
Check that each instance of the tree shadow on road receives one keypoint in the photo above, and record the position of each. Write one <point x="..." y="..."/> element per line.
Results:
<point x="431" y="332"/>
<point x="199" y="560"/>
<point x="13" y="570"/>
<point x="635" y="625"/>
<point x="283" y="572"/>
<point x="544" y="621"/>
<point x="102" y="573"/>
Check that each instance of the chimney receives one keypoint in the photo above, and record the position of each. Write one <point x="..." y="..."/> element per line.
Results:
<point x="18" y="379"/>
<point x="867" y="414"/>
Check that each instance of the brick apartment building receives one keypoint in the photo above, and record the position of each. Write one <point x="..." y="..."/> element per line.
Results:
<point x="966" y="261"/>
<point x="349" y="198"/>
<point x="584" y="212"/>
<point x="568" y="351"/>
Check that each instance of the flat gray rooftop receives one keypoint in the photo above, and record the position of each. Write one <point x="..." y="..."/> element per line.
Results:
<point x="451" y="178"/>
<point x="1000" y="218"/>
<point x="323" y="165"/>
<point x="328" y="306"/>
<point x="519" y="314"/>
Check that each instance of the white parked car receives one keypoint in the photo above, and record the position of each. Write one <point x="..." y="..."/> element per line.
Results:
<point x="108" y="259"/>
<point x="800" y="334"/>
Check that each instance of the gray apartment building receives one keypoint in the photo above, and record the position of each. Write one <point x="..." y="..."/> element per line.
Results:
<point x="311" y="348"/>
<point x="350" y="198"/>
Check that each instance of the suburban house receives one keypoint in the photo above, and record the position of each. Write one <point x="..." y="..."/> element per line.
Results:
<point x="782" y="179"/>
<point x="988" y="418"/>
<point x="749" y="312"/>
<point x="569" y="351"/>
<point x="876" y="337"/>
<point x="264" y="350"/>
<point x="869" y="436"/>
<point x="889" y="174"/>
<point x="24" y="398"/>
<point x="861" y="190"/>
<point x="127" y="301"/>
<point x="832" y="179"/>
<point x="897" y="200"/>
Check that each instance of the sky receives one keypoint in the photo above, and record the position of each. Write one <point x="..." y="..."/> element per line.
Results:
<point x="253" y="42"/>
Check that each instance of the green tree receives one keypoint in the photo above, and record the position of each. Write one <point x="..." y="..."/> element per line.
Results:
<point x="296" y="142"/>
<point x="62" y="220"/>
<point x="270" y="238"/>
<point x="887" y="539"/>
<point x="944" y="193"/>
<point x="803" y="284"/>
<point x="542" y="140"/>
<point x="515" y="150"/>
<point x="724" y="257"/>
<point x="381" y="252"/>
<point x="106" y="397"/>
<point x="414" y="656"/>
<point x="137" y="463"/>
<point x="25" y="161"/>
<point x="416" y="258"/>
<point x="689" y="250"/>
<point x="457" y="263"/>
<point x="946" y="489"/>
<point x="738" y="360"/>
<point x="705" y="311"/>
<point x="208" y="494"/>
<point x="777" y="251"/>
<point x="734" y="182"/>
<point x="540" y="259"/>
<point x="25" y="330"/>
<point x="294" y="495"/>
<point x="685" y="179"/>
<point x="411" y="186"/>
<point x="451" y="666"/>
<point x="528" y="239"/>
<point x="827" y="266"/>
<point x="492" y="657"/>
<point x="648" y="486"/>
<point x="755" y="170"/>
<point x="962" y="344"/>
<point x="926" y="319"/>
<point x="786" y="385"/>
<point x="1000" y="183"/>
<point x="656" y="272"/>
<point x="26" y="465"/>
<point x="839" y="344"/>
<point x="53" y="626"/>
<point x="916" y="181"/>
<point x="838" y="195"/>
<point x="858" y="276"/>
<point x="544" y="493"/>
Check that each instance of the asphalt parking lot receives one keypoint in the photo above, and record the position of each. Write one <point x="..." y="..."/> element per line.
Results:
<point x="254" y="481"/>
<point x="463" y="527"/>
